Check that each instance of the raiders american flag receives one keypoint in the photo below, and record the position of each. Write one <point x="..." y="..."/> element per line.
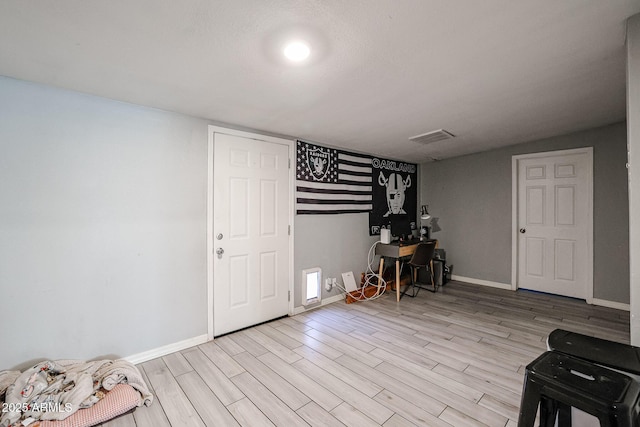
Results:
<point x="330" y="181"/>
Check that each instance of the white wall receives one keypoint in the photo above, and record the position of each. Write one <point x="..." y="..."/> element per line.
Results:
<point x="633" y="131"/>
<point x="102" y="226"/>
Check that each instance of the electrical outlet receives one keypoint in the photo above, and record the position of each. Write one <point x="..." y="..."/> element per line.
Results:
<point x="328" y="284"/>
<point x="334" y="282"/>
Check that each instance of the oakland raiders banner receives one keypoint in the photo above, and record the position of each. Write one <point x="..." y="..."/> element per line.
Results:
<point x="394" y="192"/>
<point x="330" y="181"/>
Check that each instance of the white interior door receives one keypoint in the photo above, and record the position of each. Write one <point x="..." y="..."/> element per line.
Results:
<point x="555" y="223"/>
<point x="250" y="232"/>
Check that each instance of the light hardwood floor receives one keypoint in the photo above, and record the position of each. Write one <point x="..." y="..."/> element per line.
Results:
<point x="455" y="358"/>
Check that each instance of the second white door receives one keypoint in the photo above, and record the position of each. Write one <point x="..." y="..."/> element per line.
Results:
<point x="554" y="223"/>
<point x="250" y="232"/>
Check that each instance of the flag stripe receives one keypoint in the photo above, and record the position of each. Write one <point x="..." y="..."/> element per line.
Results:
<point x="317" y="207"/>
<point x="302" y="211"/>
<point x="337" y="188"/>
<point x="333" y="196"/>
<point x="333" y="201"/>
<point x="355" y="168"/>
<point x="353" y="157"/>
<point x="366" y="178"/>
<point x="348" y="173"/>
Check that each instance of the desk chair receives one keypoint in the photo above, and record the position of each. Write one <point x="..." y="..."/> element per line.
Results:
<point x="421" y="259"/>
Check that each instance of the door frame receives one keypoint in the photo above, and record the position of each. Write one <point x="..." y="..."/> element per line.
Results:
<point x="514" y="211"/>
<point x="212" y="130"/>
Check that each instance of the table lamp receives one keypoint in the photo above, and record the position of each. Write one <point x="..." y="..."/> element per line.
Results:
<point x="425" y="221"/>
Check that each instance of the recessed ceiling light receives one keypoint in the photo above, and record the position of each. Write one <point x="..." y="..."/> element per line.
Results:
<point x="297" y="51"/>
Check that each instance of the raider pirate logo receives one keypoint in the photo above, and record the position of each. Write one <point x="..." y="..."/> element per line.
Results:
<point x="318" y="161"/>
<point x="396" y="186"/>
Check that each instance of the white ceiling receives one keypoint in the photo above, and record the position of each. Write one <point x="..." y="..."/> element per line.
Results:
<point x="491" y="72"/>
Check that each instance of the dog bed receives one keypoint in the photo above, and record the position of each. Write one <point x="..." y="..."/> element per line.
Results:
<point x="70" y="393"/>
<point x="120" y="400"/>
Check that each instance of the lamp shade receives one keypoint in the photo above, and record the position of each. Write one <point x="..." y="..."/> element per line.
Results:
<point x="424" y="213"/>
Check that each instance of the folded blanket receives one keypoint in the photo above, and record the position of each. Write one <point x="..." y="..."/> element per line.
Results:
<point x="53" y="390"/>
<point x="121" y="371"/>
<point x="6" y="379"/>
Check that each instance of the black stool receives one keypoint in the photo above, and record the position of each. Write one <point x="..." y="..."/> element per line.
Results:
<point x="557" y="382"/>
<point x="622" y="357"/>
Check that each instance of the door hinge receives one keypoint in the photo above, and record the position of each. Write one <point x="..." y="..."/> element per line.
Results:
<point x="289" y="230"/>
<point x="289" y="162"/>
<point x="289" y="296"/>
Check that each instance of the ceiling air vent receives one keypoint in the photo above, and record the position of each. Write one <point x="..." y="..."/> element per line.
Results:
<point x="433" y="136"/>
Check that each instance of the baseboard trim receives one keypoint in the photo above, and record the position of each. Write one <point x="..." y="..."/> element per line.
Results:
<point x="191" y="342"/>
<point x="325" y="301"/>
<point x="594" y="301"/>
<point x="166" y="349"/>
<point x="489" y="283"/>
<point x="611" y="304"/>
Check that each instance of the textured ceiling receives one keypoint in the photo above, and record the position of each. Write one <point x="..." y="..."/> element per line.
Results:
<point x="491" y="72"/>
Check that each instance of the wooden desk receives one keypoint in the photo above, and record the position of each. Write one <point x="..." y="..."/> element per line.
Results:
<point x="394" y="250"/>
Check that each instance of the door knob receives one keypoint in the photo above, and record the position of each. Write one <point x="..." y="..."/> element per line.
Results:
<point x="219" y="251"/>
<point x="522" y="230"/>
